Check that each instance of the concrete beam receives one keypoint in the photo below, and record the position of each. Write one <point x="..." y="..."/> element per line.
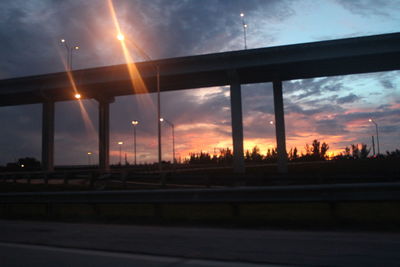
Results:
<point x="104" y="133"/>
<point x="280" y="127"/>
<point x="48" y="135"/>
<point x="237" y="124"/>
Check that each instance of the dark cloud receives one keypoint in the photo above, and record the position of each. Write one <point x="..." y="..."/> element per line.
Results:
<point x="387" y="129"/>
<point x="330" y="127"/>
<point x="313" y="87"/>
<point x="387" y="84"/>
<point x="370" y="7"/>
<point x="350" y="98"/>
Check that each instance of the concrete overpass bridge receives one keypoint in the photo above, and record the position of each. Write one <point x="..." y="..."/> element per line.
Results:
<point x="272" y="64"/>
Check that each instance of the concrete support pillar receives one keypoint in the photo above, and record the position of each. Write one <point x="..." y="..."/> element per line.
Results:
<point x="104" y="133"/>
<point x="280" y="127"/>
<point x="48" y="136"/>
<point x="237" y="124"/>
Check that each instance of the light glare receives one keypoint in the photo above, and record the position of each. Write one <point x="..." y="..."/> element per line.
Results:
<point x="120" y="37"/>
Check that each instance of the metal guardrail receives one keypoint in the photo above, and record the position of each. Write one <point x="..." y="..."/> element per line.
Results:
<point x="285" y="194"/>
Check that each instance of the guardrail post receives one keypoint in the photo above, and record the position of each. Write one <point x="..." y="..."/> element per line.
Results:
<point x="65" y="178"/>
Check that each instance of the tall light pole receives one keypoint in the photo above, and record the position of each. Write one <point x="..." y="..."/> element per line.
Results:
<point x="134" y="123"/>
<point x="377" y="134"/>
<point x="120" y="151"/>
<point x="173" y="138"/>
<point x="244" y="30"/>
<point x="121" y="38"/>
<point x="70" y="50"/>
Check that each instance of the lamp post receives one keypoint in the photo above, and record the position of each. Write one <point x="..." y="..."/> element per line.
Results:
<point x="121" y="38"/>
<point x="89" y="155"/>
<point x="244" y="30"/>
<point x="173" y="138"/>
<point x="377" y="134"/>
<point x="120" y="151"/>
<point x="134" y="123"/>
<point x="70" y="50"/>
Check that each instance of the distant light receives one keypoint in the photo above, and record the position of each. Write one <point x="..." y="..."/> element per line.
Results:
<point x="271" y="122"/>
<point x="245" y="25"/>
<point x="241" y="14"/>
<point x="135" y="122"/>
<point x="161" y="119"/>
<point x="120" y="143"/>
<point x="370" y="120"/>
<point x="120" y="37"/>
<point x="22" y="165"/>
<point x="89" y="153"/>
<point x="62" y="40"/>
<point x="78" y="96"/>
<point x="76" y="47"/>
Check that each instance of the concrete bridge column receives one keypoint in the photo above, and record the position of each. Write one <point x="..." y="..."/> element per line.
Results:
<point x="280" y="127"/>
<point x="48" y="135"/>
<point x="104" y="132"/>
<point x="237" y="124"/>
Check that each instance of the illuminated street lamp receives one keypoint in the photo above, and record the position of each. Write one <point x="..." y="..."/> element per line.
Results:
<point x="120" y="151"/>
<point x="77" y="96"/>
<point x="244" y="30"/>
<point x="70" y="50"/>
<point x="89" y="154"/>
<point x="134" y="123"/>
<point x="271" y="122"/>
<point x="121" y="38"/>
<point x="173" y="137"/>
<point x="377" y="133"/>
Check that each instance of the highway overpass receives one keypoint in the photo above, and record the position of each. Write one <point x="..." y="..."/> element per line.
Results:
<point x="272" y="64"/>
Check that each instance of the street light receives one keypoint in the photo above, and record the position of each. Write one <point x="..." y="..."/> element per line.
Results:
<point x="244" y="30"/>
<point x="70" y="50"/>
<point x="89" y="155"/>
<point x="120" y="151"/>
<point x="134" y="123"/>
<point x="377" y="133"/>
<point x="173" y="137"/>
<point x="121" y="38"/>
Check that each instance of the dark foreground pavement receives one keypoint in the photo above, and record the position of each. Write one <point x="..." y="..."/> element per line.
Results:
<point x="40" y="242"/>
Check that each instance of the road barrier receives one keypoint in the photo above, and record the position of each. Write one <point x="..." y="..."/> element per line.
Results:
<point x="305" y="193"/>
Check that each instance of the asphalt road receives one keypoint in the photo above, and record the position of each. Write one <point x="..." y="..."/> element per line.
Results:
<point x="125" y="245"/>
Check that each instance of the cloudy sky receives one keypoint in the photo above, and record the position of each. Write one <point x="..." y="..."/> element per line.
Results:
<point x="331" y="109"/>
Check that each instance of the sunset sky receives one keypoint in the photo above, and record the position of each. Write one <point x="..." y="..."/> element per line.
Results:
<point x="332" y="109"/>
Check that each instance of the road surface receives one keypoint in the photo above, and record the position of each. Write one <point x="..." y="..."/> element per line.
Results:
<point x="75" y="244"/>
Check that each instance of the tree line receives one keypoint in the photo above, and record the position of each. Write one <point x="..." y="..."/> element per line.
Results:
<point x="316" y="151"/>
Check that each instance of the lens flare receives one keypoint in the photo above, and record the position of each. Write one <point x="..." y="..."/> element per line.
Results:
<point x="90" y="129"/>
<point x="138" y="85"/>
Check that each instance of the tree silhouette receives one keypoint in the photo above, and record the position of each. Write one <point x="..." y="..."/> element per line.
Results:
<point x="316" y="151"/>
